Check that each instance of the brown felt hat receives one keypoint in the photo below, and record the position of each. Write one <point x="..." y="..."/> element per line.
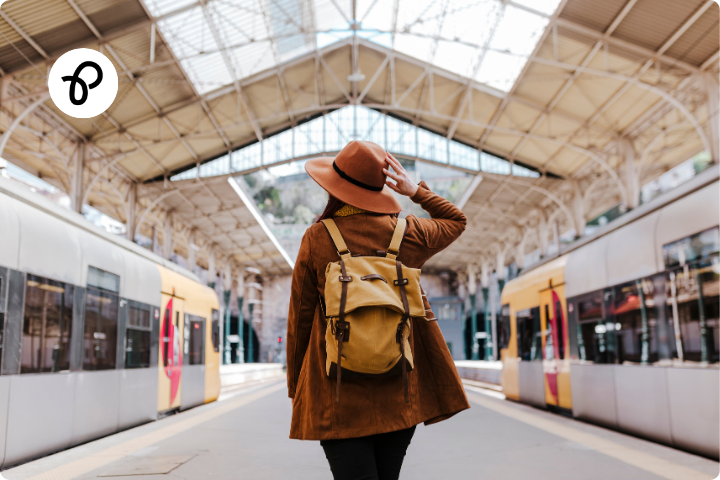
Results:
<point x="356" y="177"/>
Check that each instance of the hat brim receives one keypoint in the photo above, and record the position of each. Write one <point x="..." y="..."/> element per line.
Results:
<point x="321" y="170"/>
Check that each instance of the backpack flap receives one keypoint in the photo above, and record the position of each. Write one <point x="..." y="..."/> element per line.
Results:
<point x="372" y="285"/>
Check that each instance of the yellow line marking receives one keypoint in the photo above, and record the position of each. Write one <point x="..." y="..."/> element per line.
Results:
<point x="650" y="463"/>
<point x="104" y="457"/>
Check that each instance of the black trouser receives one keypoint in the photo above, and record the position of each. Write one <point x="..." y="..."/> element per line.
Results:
<point x="376" y="457"/>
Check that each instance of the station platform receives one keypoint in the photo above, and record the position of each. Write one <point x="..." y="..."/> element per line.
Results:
<point x="245" y="436"/>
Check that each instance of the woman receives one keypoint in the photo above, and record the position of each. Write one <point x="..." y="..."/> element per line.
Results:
<point x="366" y="435"/>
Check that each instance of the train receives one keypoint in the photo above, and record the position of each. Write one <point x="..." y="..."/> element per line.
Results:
<point x="622" y="329"/>
<point x="97" y="334"/>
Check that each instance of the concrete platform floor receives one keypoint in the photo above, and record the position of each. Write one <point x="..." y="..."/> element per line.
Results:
<point x="245" y="436"/>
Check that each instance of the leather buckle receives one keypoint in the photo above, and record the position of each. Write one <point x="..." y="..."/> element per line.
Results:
<point x="404" y="281"/>
<point x="342" y="329"/>
<point x="345" y="279"/>
<point x="399" y="333"/>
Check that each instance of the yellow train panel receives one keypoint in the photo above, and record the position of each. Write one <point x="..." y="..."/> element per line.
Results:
<point x="540" y="288"/>
<point x="180" y="296"/>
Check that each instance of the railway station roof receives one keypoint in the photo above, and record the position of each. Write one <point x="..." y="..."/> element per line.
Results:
<point x="573" y="103"/>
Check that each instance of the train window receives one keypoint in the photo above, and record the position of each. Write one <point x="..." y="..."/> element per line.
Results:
<point x="559" y="316"/>
<point x="47" y="326"/>
<point x="137" y="339"/>
<point x="549" y="349"/>
<point x="503" y="327"/>
<point x="216" y="330"/>
<point x="2" y="325"/>
<point x="633" y="322"/>
<point x="592" y="342"/>
<point x="692" y="297"/>
<point x="139" y="318"/>
<point x="195" y="339"/>
<point x="2" y="334"/>
<point x="590" y="307"/>
<point x="695" y="247"/>
<point x="528" y="332"/>
<point x="103" y="280"/>
<point x="101" y="324"/>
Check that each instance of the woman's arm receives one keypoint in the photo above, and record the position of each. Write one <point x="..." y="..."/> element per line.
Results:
<point x="447" y="221"/>
<point x="303" y="302"/>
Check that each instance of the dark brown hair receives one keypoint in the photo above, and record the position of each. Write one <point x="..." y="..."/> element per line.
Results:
<point x="332" y="206"/>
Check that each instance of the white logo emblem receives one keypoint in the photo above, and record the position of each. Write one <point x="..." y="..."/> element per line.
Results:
<point x="83" y="83"/>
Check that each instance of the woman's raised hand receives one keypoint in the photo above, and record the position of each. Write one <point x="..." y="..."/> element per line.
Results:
<point x="403" y="184"/>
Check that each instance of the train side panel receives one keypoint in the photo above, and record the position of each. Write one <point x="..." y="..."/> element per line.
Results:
<point x="186" y="367"/>
<point x="522" y="294"/>
<point x="212" y="357"/>
<point x="695" y="213"/>
<point x="10" y="238"/>
<point x="43" y="239"/>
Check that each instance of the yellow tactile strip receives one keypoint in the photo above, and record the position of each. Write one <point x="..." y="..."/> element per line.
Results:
<point x="645" y="461"/>
<point x="91" y="462"/>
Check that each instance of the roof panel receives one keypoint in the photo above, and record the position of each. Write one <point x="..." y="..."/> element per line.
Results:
<point x="592" y="13"/>
<point x="652" y="22"/>
<point x="700" y="41"/>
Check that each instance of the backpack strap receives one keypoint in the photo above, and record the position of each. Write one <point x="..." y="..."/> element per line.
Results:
<point x="337" y="238"/>
<point x="394" y="249"/>
<point x="401" y="282"/>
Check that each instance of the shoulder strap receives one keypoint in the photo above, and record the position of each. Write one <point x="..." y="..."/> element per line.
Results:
<point x="336" y="238"/>
<point x="394" y="249"/>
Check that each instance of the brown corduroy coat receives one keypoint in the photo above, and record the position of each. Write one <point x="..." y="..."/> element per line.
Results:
<point x="370" y="406"/>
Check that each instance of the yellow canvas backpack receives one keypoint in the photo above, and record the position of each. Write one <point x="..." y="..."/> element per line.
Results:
<point x="368" y="303"/>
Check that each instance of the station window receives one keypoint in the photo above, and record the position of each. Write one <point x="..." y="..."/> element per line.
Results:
<point x="529" y="334"/>
<point x="47" y="326"/>
<point x="137" y="339"/>
<point x="216" y="330"/>
<point x="195" y="339"/>
<point x="101" y="320"/>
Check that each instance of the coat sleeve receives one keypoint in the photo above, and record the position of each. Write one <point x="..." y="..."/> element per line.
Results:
<point x="303" y="302"/>
<point x="446" y="221"/>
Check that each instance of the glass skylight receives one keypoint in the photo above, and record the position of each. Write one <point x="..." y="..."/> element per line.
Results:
<point x="330" y="133"/>
<point x="228" y="40"/>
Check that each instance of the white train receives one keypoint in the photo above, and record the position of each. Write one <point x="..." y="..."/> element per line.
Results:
<point x="624" y="329"/>
<point x="97" y="334"/>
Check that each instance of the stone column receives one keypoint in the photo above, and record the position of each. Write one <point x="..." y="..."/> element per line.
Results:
<point x="167" y="236"/>
<point x="627" y="153"/>
<point x="240" y="352"/>
<point x="251" y="305"/>
<point x="191" y="251"/>
<point x="713" y="123"/>
<point x="485" y="282"/>
<point x="154" y="240"/>
<point x="542" y="232"/>
<point x="227" y="284"/>
<point x="76" y="185"/>
<point x="472" y="290"/>
<point x="130" y="210"/>
<point x="500" y="268"/>
<point x="211" y="268"/>
<point x="578" y="209"/>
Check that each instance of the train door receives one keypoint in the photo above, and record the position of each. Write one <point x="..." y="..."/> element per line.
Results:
<point x="172" y="326"/>
<point x="555" y="347"/>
